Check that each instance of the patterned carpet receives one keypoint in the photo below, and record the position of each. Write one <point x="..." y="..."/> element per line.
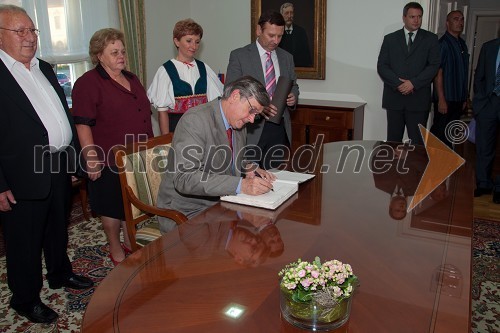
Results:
<point x="486" y="277"/>
<point x="88" y="252"/>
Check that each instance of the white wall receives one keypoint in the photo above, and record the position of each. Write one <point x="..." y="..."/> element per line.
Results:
<point x="355" y="29"/>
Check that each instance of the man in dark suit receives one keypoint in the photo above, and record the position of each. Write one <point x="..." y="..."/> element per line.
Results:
<point x="408" y="62"/>
<point x="268" y="138"/>
<point x="295" y="38"/>
<point x="486" y="105"/>
<point x="36" y="151"/>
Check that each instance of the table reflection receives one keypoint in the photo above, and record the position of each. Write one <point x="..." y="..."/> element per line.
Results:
<point x="397" y="170"/>
<point x="247" y="234"/>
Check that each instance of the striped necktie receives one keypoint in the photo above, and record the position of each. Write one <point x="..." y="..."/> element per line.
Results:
<point x="270" y="75"/>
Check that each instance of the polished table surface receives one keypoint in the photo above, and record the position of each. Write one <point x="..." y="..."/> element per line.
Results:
<point x="414" y="273"/>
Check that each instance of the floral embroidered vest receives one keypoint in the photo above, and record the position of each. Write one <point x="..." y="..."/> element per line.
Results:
<point x="185" y="98"/>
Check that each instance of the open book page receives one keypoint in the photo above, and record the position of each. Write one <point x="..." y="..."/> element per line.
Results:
<point x="270" y="200"/>
<point x="295" y="177"/>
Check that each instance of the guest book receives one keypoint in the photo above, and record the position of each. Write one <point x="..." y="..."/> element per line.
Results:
<point x="285" y="185"/>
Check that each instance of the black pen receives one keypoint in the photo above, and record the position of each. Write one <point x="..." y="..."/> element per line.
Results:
<point x="258" y="175"/>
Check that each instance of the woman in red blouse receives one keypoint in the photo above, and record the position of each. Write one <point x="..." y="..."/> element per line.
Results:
<point x="110" y="107"/>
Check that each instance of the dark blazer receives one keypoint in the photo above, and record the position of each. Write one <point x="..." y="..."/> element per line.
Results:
<point x="420" y="66"/>
<point x="246" y="61"/>
<point x="20" y="131"/>
<point x="297" y="44"/>
<point x="484" y="78"/>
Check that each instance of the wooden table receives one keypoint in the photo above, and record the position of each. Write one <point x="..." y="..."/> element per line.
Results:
<point x="414" y="273"/>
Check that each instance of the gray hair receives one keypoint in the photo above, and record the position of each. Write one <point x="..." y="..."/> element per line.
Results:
<point x="10" y="9"/>
<point x="285" y="5"/>
<point x="248" y="87"/>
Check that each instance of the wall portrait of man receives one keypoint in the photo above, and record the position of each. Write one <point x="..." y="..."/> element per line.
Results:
<point x="303" y="35"/>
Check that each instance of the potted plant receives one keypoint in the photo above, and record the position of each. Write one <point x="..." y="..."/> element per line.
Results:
<point x="317" y="295"/>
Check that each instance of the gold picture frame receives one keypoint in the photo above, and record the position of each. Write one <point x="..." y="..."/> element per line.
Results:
<point x="314" y="21"/>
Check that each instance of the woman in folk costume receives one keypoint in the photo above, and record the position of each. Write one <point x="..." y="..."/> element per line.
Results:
<point x="183" y="82"/>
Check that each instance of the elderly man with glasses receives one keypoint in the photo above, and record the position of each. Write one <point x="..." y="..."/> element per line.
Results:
<point x="208" y="159"/>
<point x="37" y="138"/>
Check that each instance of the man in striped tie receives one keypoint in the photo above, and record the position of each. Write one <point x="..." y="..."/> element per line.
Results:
<point x="267" y="143"/>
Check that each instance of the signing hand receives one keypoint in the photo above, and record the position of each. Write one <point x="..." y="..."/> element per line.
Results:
<point x="290" y="101"/>
<point x="255" y="185"/>
<point x="6" y="199"/>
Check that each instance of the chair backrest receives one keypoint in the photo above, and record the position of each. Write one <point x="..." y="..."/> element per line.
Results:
<point x="141" y="166"/>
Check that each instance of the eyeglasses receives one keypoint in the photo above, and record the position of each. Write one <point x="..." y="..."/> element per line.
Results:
<point x="252" y="110"/>
<point x="24" y="32"/>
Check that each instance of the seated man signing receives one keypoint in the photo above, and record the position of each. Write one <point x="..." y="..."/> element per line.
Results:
<point x="207" y="156"/>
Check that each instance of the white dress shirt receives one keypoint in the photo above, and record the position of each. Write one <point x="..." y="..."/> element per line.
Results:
<point x="44" y="100"/>
<point x="274" y="58"/>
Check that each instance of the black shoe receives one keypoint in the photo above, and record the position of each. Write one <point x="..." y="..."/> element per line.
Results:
<point x="496" y="197"/>
<point x="480" y="191"/>
<point x="73" y="282"/>
<point x="39" y="313"/>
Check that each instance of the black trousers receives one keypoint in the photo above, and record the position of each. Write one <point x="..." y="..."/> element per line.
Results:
<point x="487" y="121"/>
<point x="440" y="120"/>
<point x="33" y="225"/>
<point x="273" y="145"/>
<point x="398" y="119"/>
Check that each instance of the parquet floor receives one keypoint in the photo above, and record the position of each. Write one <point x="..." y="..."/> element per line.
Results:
<point x="485" y="208"/>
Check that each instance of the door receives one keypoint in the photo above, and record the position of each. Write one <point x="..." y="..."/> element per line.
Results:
<point x="486" y="27"/>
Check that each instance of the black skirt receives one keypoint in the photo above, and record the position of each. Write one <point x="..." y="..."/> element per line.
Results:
<point x="105" y="194"/>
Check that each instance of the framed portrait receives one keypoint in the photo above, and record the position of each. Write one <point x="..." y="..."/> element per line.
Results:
<point x="307" y="37"/>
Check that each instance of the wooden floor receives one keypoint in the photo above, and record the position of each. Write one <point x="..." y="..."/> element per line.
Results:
<point x="485" y="208"/>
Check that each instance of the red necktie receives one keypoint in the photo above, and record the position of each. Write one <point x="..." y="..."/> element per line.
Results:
<point x="229" y="133"/>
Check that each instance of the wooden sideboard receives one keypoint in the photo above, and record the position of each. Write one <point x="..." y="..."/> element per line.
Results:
<point x="337" y="121"/>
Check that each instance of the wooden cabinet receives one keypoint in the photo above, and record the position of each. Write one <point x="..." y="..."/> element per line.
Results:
<point x="337" y="121"/>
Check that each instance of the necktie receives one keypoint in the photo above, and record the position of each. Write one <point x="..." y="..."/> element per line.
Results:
<point x="410" y="41"/>
<point x="497" y="82"/>
<point x="270" y="75"/>
<point x="229" y="133"/>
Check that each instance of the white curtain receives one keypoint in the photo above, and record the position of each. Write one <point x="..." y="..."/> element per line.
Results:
<point x="67" y="25"/>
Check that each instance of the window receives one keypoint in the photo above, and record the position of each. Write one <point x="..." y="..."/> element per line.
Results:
<point x="65" y="30"/>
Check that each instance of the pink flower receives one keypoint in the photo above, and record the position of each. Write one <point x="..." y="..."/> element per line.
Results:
<point x="302" y="273"/>
<point x="315" y="274"/>
<point x="306" y="283"/>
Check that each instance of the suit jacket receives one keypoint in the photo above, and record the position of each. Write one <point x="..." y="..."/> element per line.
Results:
<point x="297" y="44"/>
<point x="420" y="66"/>
<point x="198" y="163"/>
<point x="404" y="174"/>
<point x="246" y="61"/>
<point x="20" y="131"/>
<point x="484" y="78"/>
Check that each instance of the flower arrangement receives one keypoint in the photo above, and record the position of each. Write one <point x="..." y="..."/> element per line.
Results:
<point x="319" y="290"/>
